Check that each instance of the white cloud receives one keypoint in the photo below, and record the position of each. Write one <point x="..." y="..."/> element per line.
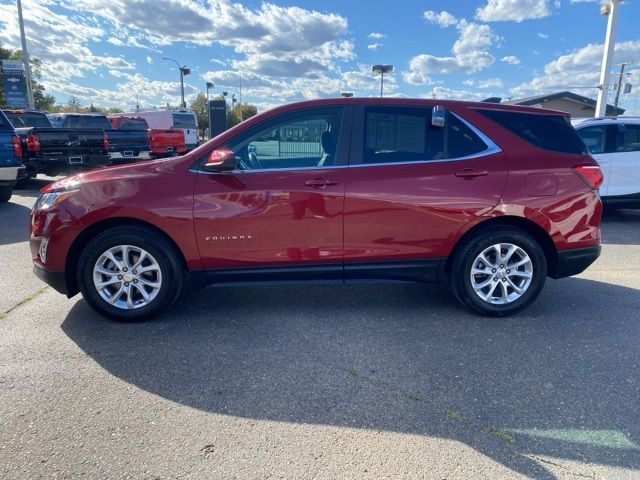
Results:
<point x="580" y="68"/>
<point x="513" y="10"/>
<point x="491" y="83"/>
<point x="298" y="35"/>
<point x="59" y="41"/>
<point x="374" y="46"/>
<point x="149" y="59"/>
<point x="543" y="36"/>
<point x="510" y="59"/>
<point x="443" y="19"/>
<point x="454" y="94"/>
<point x="377" y="35"/>
<point x="469" y="51"/>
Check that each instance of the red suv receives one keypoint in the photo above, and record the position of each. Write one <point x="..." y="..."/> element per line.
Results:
<point x="489" y="198"/>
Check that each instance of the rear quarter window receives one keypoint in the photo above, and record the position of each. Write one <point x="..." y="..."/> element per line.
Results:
<point x="550" y="132"/>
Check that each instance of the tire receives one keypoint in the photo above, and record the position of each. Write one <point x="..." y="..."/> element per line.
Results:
<point x="5" y="194"/>
<point x="162" y="278"/>
<point x="505" y="290"/>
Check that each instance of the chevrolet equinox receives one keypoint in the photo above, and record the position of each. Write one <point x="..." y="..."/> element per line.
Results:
<point x="489" y="198"/>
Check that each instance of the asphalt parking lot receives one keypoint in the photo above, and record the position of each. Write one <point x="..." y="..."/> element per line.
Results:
<point x="365" y="381"/>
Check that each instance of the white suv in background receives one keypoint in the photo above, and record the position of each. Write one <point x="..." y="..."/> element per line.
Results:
<point x="615" y="143"/>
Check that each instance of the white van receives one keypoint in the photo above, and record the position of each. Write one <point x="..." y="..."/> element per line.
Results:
<point x="178" y="119"/>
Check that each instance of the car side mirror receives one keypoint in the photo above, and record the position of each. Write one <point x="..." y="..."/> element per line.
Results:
<point x="438" y="116"/>
<point x="221" y="159"/>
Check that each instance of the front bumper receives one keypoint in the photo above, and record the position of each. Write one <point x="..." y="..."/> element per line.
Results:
<point x="575" y="261"/>
<point x="57" y="280"/>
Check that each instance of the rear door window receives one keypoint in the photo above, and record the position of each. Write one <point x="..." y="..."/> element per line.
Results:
<point x="628" y="138"/>
<point x="550" y="132"/>
<point x="396" y="134"/>
<point x="87" y="121"/>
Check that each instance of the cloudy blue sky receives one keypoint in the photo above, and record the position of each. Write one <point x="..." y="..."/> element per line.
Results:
<point x="109" y="51"/>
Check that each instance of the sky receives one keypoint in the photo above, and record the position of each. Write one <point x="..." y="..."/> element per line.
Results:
<point x="110" y="52"/>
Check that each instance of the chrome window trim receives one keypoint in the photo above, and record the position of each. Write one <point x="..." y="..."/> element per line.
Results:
<point x="491" y="149"/>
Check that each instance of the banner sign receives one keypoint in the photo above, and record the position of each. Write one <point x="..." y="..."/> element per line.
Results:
<point x="15" y="87"/>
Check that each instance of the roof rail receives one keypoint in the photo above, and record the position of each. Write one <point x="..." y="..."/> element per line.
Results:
<point x="611" y="117"/>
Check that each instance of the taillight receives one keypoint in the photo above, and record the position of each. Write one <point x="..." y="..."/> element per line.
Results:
<point x="105" y="142"/>
<point x="17" y="146"/>
<point x="33" y="142"/>
<point x="590" y="174"/>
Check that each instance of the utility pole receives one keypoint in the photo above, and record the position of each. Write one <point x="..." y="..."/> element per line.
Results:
<point x="25" y="59"/>
<point x="609" y="8"/>
<point x="619" y="87"/>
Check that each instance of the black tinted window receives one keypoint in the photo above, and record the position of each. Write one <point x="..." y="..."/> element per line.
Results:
<point x="21" y="120"/>
<point x="595" y="138"/>
<point x="133" y="124"/>
<point x="460" y="140"/>
<point x="628" y="138"/>
<point x="551" y="132"/>
<point x="401" y="135"/>
<point x="184" y="120"/>
<point x="82" y="121"/>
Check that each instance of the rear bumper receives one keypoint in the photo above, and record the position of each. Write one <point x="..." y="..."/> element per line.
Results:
<point x="631" y="200"/>
<point x="9" y="174"/>
<point x="573" y="262"/>
<point x="56" y="280"/>
<point x="66" y="164"/>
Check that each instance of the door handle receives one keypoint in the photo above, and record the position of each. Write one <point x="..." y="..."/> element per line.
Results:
<point x="319" y="182"/>
<point x="470" y="173"/>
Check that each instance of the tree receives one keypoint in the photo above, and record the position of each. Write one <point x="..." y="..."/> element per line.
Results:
<point x="199" y="106"/>
<point x="43" y="101"/>
<point x="239" y="113"/>
<point x="73" y="105"/>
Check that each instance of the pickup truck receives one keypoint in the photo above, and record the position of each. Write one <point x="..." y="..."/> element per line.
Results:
<point x="163" y="142"/>
<point x="54" y="151"/>
<point x="11" y="169"/>
<point x="123" y="145"/>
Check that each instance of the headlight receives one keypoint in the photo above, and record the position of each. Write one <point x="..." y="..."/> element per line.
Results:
<point x="48" y="200"/>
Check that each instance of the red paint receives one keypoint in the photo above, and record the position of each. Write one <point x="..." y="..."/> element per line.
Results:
<point x="329" y="215"/>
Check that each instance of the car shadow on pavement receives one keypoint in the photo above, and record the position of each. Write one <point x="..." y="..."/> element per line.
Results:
<point x="557" y="382"/>
<point x="621" y="226"/>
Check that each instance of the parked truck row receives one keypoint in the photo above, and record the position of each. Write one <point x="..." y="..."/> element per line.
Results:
<point x="35" y="142"/>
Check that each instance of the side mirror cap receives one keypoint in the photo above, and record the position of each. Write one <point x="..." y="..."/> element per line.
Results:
<point x="438" y="116"/>
<point x="221" y="159"/>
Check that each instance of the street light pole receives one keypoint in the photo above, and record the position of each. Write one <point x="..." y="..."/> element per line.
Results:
<point x="183" y="71"/>
<point x="25" y="59"/>
<point x="610" y="8"/>
<point x="382" y="69"/>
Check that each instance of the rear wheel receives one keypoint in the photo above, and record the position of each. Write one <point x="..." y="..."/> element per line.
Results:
<point x="5" y="194"/>
<point x="498" y="272"/>
<point x="129" y="274"/>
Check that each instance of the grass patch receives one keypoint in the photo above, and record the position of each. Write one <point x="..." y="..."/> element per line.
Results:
<point x="352" y="372"/>
<point x="457" y="416"/>
<point x="501" y="434"/>
<point x="26" y="299"/>
<point x="414" y="396"/>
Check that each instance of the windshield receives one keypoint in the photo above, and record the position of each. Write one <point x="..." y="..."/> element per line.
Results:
<point x="20" y="120"/>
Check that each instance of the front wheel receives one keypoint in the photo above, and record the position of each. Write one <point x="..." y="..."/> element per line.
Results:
<point x="498" y="272"/>
<point x="129" y="274"/>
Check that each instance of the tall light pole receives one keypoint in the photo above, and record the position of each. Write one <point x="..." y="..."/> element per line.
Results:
<point x="183" y="71"/>
<point x="382" y="69"/>
<point x="209" y="85"/>
<point x="25" y="59"/>
<point x="609" y="8"/>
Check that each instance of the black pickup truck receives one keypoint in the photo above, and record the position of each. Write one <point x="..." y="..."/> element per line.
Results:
<point x="123" y="145"/>
<point x="54" y="151"/>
